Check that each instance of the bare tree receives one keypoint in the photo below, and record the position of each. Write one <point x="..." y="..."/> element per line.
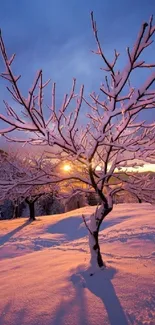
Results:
<point x="114" y="138"/>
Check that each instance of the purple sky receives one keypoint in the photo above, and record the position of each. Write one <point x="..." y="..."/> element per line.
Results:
<point x="56" y="35"/>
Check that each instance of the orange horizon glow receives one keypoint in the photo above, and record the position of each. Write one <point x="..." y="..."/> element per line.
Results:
<point x="145" y="168"/>
<point x="138" y="169"/>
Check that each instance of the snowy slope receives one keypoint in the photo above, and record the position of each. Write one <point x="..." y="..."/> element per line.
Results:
<point x="44" y="274"/>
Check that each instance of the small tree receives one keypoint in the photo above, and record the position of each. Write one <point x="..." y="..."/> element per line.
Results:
<point x="19" y="180"/>
<point x="113" y="136"/>
<point x="75" y="202"/>
<point x="51" y="204"/>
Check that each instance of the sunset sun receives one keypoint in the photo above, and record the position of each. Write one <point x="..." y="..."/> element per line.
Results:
<point x="67" y="168"/>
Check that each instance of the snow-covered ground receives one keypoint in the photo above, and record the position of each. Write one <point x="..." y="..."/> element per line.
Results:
<point x="44" y="275"/>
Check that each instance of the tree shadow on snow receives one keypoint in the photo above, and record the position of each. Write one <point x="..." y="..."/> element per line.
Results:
<point x="72" y="227"/>
<point x="7" y="236"/>
<point x="101" y="286"/>
<point x="73" y="310"/>
<point x="16" y="319"/>
<point x="107" y="223"/>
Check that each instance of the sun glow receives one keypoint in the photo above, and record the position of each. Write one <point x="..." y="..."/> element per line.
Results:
<point x="67" y="168"/>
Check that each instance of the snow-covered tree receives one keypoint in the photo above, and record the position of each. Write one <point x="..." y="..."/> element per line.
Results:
<point x="50" y="204"/>
<point x="112" y="138"/>
<point x="75" y="202"/>
<point x="19" y="181"/>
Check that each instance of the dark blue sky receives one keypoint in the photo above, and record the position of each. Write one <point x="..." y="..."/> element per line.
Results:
<point x="56" y="35"/>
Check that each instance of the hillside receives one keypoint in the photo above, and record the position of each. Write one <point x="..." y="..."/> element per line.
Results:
<point x="44" y="274"/>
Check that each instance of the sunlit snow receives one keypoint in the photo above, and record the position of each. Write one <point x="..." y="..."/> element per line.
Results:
<point x="45" y="277"/>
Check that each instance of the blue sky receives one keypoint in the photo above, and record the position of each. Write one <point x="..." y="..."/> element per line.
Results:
<point x="56" y="35"/>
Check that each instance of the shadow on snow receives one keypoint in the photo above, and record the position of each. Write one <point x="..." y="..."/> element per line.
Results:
<point x="100" y="285"/>
<point x="74" y="228"/>
<point x="10" y="234"/>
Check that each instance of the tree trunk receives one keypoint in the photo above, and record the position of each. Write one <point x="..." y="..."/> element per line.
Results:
<point x="16" y="211"/>
<point x="32" y="210"/>
<point x="31" y="203"/>
<point x="96" y="258"/>
<point x="94" y="226"/>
